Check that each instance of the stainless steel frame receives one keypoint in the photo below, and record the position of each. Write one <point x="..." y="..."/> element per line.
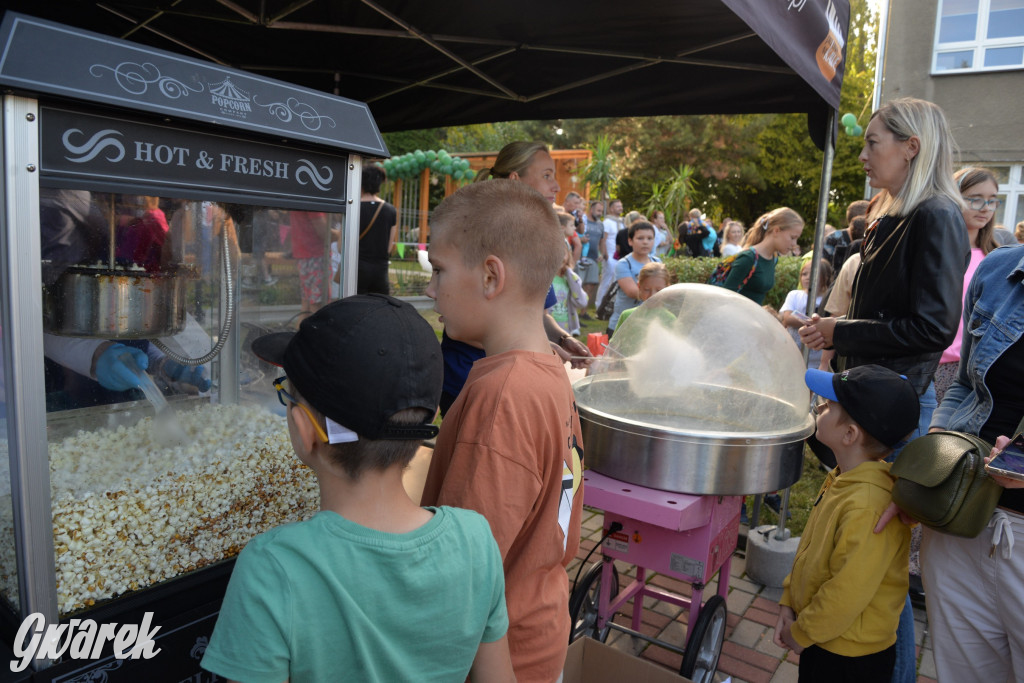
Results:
<point x="26" y="406"/>
<point x="350" y="233"/>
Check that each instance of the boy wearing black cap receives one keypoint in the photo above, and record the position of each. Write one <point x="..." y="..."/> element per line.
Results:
<point x="373" y="587"/>
<point x="509" y="446"/>
<point x="842" y="600"/>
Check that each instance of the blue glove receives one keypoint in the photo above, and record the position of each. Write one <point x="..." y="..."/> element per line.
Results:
<point x="111" y="371"/>
<point x="184" y="378"/>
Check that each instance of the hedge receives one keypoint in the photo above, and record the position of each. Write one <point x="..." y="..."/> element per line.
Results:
<point x="689" y="269"/>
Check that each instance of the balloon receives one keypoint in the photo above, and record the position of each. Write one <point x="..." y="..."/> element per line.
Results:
<point x="849" y="130"/>
<point x="431" y="155"/>
<point x="470" y="174"/>
<point x="858" y="131"/>
<point x="459" y="174"/>
<point x="446" y="168"/>
<point x="443" y="155"/>
<point x="849" y="120"/>
<point x="435" y="165"/>
<point x="420" y="157"/>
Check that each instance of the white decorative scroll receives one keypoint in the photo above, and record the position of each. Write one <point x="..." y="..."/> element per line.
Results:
<point x="136" y="79"/>
<point x="93" y="146"/>
<point x="308" y="170"/>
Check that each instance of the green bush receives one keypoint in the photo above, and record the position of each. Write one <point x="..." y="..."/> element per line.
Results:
<point x="698" y="270"/>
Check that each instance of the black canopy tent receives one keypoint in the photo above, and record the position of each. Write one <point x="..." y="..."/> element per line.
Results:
<point x="426" y="63"/>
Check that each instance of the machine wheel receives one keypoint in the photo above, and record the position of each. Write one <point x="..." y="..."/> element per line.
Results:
<point x="704" y="643"/>
<point x="583" y="604"/>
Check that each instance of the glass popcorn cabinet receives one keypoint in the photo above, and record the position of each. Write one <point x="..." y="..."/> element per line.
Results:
<point x="159" y="212"/>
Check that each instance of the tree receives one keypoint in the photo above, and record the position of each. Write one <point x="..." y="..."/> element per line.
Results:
<point x="674" y="198"/>
<point x="790" y="164"/>
<point x="600" y="171"/>
<point x="405" y="141"/>
<point x="715" y="147"/>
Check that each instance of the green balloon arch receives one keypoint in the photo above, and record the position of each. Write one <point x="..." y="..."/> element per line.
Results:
<point x="408" y="166"/>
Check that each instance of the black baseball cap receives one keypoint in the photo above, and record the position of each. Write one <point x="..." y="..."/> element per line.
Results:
<point x="360" y="360"/>
<point x="884" y="403"/>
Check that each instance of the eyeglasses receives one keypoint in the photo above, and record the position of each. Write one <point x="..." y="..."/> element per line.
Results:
<point x="979" y="204"/>
<point x="287" y="399"/>
<point x="818" y="408"/>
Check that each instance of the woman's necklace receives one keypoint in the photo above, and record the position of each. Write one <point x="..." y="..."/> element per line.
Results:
<point x="874" y="224"/>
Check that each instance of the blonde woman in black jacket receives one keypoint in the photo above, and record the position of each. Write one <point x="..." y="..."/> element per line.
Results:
<point x="906" y="299"/>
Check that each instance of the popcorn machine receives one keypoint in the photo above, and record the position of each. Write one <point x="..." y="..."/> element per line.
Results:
<point x="159" y="212"/>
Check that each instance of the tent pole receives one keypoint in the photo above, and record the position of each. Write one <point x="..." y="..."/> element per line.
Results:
<point x="819" y="230"/>
<point x="822" y="216"/>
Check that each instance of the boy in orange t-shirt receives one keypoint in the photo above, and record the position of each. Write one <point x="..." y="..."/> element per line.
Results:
<point x="510" y="446"/>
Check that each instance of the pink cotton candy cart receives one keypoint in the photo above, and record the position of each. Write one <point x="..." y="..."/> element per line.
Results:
<point x="686" y="537"/>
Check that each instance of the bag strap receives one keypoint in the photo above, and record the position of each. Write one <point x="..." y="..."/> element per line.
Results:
<point x="370" y="224"/>
<point x="752" y="269"/>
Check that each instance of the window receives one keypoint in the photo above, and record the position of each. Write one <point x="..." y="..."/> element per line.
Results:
<point x="979" y="35"/>
<point x="1011" y="192"/>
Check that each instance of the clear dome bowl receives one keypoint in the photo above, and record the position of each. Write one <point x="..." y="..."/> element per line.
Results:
<point x="696" y="373"/>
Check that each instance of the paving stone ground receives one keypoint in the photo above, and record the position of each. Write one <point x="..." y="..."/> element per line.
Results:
<point x="748" y="654"/>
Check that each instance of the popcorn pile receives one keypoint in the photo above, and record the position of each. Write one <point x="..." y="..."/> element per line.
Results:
<point x="128" y="513"/>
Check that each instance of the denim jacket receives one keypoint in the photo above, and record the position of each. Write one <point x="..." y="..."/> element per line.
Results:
<point x="993" y="321"/>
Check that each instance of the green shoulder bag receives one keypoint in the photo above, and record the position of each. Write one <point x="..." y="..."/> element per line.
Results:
<point x="943" y="484"/>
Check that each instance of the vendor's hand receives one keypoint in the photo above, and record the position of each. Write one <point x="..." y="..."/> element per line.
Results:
<point x="891" y="512"/>
<point x="566" y="356"/>
<point x="184" y="379"/>
<point x="817" y="334"/>
<point x="1007" y="483"/>
<point x="111" y="371"/>
<point x="580" y="354"/>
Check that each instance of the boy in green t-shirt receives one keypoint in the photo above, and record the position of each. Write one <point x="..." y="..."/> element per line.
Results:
<point x="373" y="587"/>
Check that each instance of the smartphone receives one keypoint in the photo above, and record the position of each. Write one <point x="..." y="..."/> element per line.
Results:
<point x="801" y="316"/>
<point x="1009" y="463"/>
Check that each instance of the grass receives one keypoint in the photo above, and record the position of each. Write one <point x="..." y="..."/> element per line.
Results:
<point x="432" y="318"/>
<point x="802" y="496"/>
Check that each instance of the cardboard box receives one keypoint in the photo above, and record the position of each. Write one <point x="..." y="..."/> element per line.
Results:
<point x="589" y="661"/>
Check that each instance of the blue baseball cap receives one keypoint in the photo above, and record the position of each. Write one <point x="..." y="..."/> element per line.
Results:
<point x="884" y="403"/>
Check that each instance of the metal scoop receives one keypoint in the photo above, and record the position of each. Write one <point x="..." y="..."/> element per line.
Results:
<point x="167" y="431"/>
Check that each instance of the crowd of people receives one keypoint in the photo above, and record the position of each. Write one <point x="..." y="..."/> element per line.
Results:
<point x="508" y="274"/>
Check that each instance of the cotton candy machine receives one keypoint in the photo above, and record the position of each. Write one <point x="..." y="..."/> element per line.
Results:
<point x="700" y="391"/>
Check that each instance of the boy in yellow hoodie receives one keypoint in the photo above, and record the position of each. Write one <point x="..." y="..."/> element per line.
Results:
<point x="841" y="602"/>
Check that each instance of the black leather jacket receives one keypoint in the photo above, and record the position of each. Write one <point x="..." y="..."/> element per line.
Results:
<point x="908" y="294"/>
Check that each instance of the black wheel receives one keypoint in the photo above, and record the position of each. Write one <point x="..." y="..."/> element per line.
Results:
<point x="583" y="604"/>
<point x="704" y="643"/>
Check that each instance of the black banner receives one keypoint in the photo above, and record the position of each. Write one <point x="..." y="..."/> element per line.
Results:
<point x="50" y="58"/>
<point x="809" y="36"/>
<point x="111" y="151"/>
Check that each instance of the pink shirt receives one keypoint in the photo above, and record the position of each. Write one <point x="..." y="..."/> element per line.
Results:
<point x="952" y="354"/>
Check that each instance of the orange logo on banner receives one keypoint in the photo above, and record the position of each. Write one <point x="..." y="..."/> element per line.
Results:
<point x="830" y="53"/>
